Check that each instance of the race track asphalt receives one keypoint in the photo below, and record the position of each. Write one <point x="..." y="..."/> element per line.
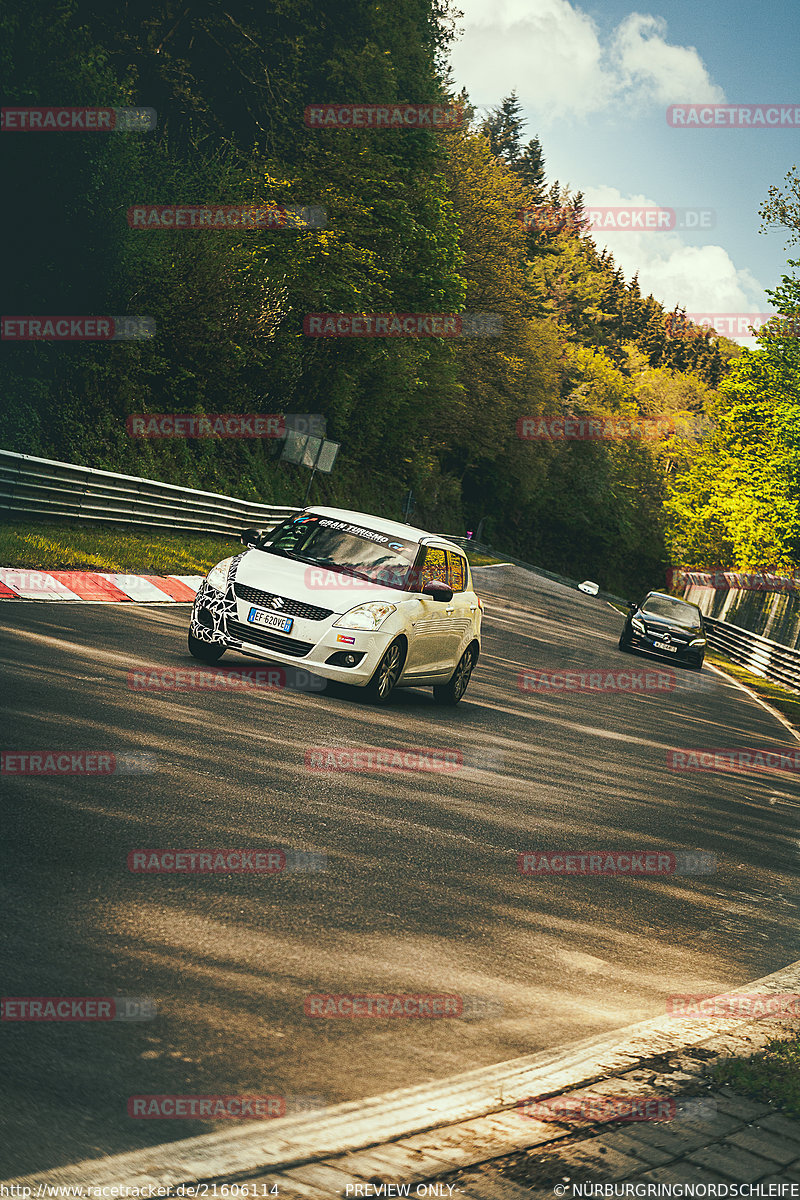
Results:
<point x="421" y="892"/>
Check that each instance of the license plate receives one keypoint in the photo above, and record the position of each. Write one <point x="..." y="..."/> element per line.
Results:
<point x="666" y="646"/>
<point x="257" y="616"/>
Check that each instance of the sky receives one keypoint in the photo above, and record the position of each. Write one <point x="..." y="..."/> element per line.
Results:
<point x="595" y="81"/>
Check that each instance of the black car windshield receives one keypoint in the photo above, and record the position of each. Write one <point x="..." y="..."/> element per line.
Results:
<point x="672" y="610"/>
<point x="346" y="548"/>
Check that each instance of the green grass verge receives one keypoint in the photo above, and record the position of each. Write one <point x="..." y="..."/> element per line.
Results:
<point x="481" y="560"/>
<point x="55" y="547"/>
<point x="64" y="547"/>
<point x="773" y="1074"/>
<point x="97" y="548"/>
<point x="779" y="697"/>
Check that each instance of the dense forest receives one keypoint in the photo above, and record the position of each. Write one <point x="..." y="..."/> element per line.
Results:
<point x="455" y="220"/>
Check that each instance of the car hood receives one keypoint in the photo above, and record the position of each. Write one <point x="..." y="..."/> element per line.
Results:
<point x="311" y="585"/>
<point x="665" y="625"/>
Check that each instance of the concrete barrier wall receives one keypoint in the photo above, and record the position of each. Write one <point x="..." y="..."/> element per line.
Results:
<point x="772" y="615"/>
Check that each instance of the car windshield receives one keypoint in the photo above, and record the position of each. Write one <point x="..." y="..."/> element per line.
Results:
<point x="672" y="610"/>
<point x="346" y="548"/>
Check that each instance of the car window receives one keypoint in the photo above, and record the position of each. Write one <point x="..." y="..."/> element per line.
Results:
<point x="458" y="571"/>
<point x="434" y="566"/>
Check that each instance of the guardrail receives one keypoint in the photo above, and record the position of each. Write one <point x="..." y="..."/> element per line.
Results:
<point x="760" y="655"/>
<point x="44" y="487"/>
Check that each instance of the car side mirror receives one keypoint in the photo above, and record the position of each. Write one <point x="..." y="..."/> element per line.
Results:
<point x="632" y="606"/>
<point x="438" y="590"/>
<point x="252" y="538"/>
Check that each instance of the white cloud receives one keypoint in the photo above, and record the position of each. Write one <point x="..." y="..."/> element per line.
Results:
<point x="552" y="53"/>
<point x="546" y="49"/>
<point x="701" y="279"/>
<point x="661" y="72"/>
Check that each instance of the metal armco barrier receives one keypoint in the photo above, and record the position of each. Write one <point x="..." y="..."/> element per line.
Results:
<point x="43" y="487"/>
<point x="761" y="656"/>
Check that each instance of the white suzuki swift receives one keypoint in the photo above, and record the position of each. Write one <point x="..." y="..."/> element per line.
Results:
<point x="354" y="598"/>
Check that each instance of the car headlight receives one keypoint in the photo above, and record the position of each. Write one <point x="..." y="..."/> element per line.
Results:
<point x="638" y="624"/>
<point x="217" y="577"/>
<point x="366" y="616"/>
<point x="698" y="642"/>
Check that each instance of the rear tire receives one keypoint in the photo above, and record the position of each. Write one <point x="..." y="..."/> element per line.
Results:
<point x="450" y="693"/>
<point x="388" y="671"/>
<point x="207" y="652"/>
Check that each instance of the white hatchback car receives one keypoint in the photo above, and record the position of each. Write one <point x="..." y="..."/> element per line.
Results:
<point x="352" y="597"/>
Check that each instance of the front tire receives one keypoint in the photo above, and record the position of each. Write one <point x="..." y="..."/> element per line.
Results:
<point x="450" y="693"/>
<point x="624" y="645"/>
<point x="207" y="652"/>
<point x="387" y="673"/>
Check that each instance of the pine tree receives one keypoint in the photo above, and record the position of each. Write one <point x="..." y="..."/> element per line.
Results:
<point x="503" y="127"/>
<point x="530" y="167"/>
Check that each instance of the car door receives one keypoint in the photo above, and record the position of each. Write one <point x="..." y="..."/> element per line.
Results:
<point x="462" y="608"/>
<point x="431" y="634"/>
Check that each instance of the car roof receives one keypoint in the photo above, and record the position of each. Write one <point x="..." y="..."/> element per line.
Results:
<point x="383" y="525"/>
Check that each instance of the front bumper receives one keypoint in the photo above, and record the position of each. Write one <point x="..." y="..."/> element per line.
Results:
<point x="644" y="643"/>
<point x="220" y="620"/>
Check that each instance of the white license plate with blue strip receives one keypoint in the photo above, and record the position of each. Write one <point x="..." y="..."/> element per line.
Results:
<point x="272" y="620"/>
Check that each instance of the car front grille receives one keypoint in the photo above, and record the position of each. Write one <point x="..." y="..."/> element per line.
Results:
<point x="269" y="640"/>
<point x="679" y="639"/>
<point x="292" y="608"/>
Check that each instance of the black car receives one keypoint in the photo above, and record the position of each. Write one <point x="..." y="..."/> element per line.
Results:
<point x="666" y="626"/>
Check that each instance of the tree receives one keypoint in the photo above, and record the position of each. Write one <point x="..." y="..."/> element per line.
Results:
<point x="783" y="207"/>
<point x="503" y="127"/>
<point x="737" y="503"/>
<point x="530" y="167"/>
